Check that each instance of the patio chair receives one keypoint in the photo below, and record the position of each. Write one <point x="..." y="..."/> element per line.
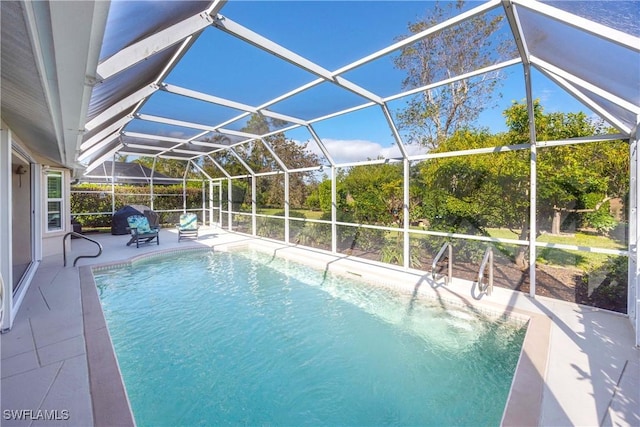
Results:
<point x="141" y="231"/>
<point x="188" y="227"/>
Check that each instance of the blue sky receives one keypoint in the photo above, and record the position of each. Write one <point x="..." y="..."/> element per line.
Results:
<point x="332" y="34"/>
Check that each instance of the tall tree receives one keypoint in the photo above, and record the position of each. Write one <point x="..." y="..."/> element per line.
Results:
<point x="575" y="181"/>
<point x="169" y="167"/>
<point x="434" y="114"/>
<point x="270" y="191"/>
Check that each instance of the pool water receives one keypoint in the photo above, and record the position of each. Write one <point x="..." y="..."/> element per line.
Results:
<point x="221" y="338"/>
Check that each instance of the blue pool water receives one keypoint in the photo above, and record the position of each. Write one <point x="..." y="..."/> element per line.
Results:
<point x="208" y="338"/>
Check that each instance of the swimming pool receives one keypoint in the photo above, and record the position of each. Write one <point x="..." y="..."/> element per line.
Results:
<point x="207" y="338"/>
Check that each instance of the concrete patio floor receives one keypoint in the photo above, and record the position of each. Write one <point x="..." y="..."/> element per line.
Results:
<point x="591" y="369"/>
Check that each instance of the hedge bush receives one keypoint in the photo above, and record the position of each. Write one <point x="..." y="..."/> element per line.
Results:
<point x="94" y="198"/>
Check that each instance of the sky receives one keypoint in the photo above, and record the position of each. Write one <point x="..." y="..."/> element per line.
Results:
<point x="331" y="34"/>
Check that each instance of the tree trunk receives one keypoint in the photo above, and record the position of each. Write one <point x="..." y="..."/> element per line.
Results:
<point x="519" y="257"/>
<point x="557" y="220"/>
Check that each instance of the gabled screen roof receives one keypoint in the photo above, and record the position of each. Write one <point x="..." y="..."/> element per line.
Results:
<point x="193" y="72"/>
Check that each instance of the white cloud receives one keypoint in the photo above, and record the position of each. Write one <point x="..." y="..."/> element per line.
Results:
<point x="355" y="150"/>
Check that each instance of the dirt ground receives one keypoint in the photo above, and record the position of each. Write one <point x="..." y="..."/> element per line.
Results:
<point x="567" y="284"/>
<point x="555" y="282"/>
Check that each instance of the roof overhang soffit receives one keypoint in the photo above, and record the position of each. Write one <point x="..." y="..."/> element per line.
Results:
<point x="66" y="38"/>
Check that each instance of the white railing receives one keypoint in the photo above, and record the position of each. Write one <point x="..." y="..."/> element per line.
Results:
<point x="487" y="260"/>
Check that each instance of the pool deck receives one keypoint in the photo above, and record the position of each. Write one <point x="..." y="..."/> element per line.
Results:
<point x="579" y="367"/>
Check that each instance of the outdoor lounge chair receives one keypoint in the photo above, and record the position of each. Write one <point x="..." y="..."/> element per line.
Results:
<point x="188" y="227"/>
<point x="141" y="231"/>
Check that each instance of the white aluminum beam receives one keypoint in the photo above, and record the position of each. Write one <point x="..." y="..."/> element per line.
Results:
<point x="202" y="171"/>
<point x="623" y="39"/>
<point x="394" y="130"/>
<point x="342" y="112"/>
<point x="341" y="81"/>
<point x="426" y="33"/>
<point x="210" y="144"/>
<point x="116" y="126"/>
<point x="168" y="121"/>
<point x="371" y="162"/>
<point x="148" y="46"/>
<point x="287" y="227"/>
<point x="583" y="139"/>
<point x="156" y="137"/>
<point x="465" y="76"/>
<point x="146" y="147"/>
<point x="308" y="169"/>
<point x="275" y="156"/>
<point x="282" y="131"/>
<point x="543" y="65"/>
<point x="179" y="144"/>
<point x="271" y="173"/>
<point x="223" y="170"/>
<point x="242" y="162"/>
<point x="584" y="99"/>
<point x="184" y="46"/>
<point x="104" y="157"/>
<point x="406" y="223"/>
<point x="284" y="117"/>
<point x="243" y="33"/>
<point x="474" y="151"/>
<point x="126" y="152"/>
<point x="633" y="291"/>
<point x="321" y="145"/>
<point x="166" y="156"/>
<point x="182" y="151"/>
<point x="516" y="29"/>
<point x="291" y="93"/>
<point x="281" y="52"/>
<point x="238" y="133"/>
<point x="207" y="98"/>
<point x="97" y="147"/>
<point x="121" y="106"/>
<point x="533" y="181"/>
<point x="334" y="210"/>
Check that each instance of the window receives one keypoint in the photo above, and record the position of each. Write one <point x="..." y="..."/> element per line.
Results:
<point x="54" y="201"/>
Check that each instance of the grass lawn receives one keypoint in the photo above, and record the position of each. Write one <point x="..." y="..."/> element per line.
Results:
<point x="309" y="214"/>
<point x="568" y="258"/>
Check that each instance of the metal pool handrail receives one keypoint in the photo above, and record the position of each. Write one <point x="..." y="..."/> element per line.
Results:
<point x="449" y="257"/>
<point x="488" y="258"/>
<point x="81" y="236"/>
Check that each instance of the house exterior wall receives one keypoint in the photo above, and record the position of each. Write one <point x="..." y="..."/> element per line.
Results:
<point x="24" y="242"/>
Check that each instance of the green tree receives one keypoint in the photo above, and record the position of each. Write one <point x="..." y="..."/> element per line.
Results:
<point x="270" y="190"/>
<point x="375" y="193"/>
<point x="468" y="194"/>
<point x="574" y="181"/>
<point x="173" y="168"/>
